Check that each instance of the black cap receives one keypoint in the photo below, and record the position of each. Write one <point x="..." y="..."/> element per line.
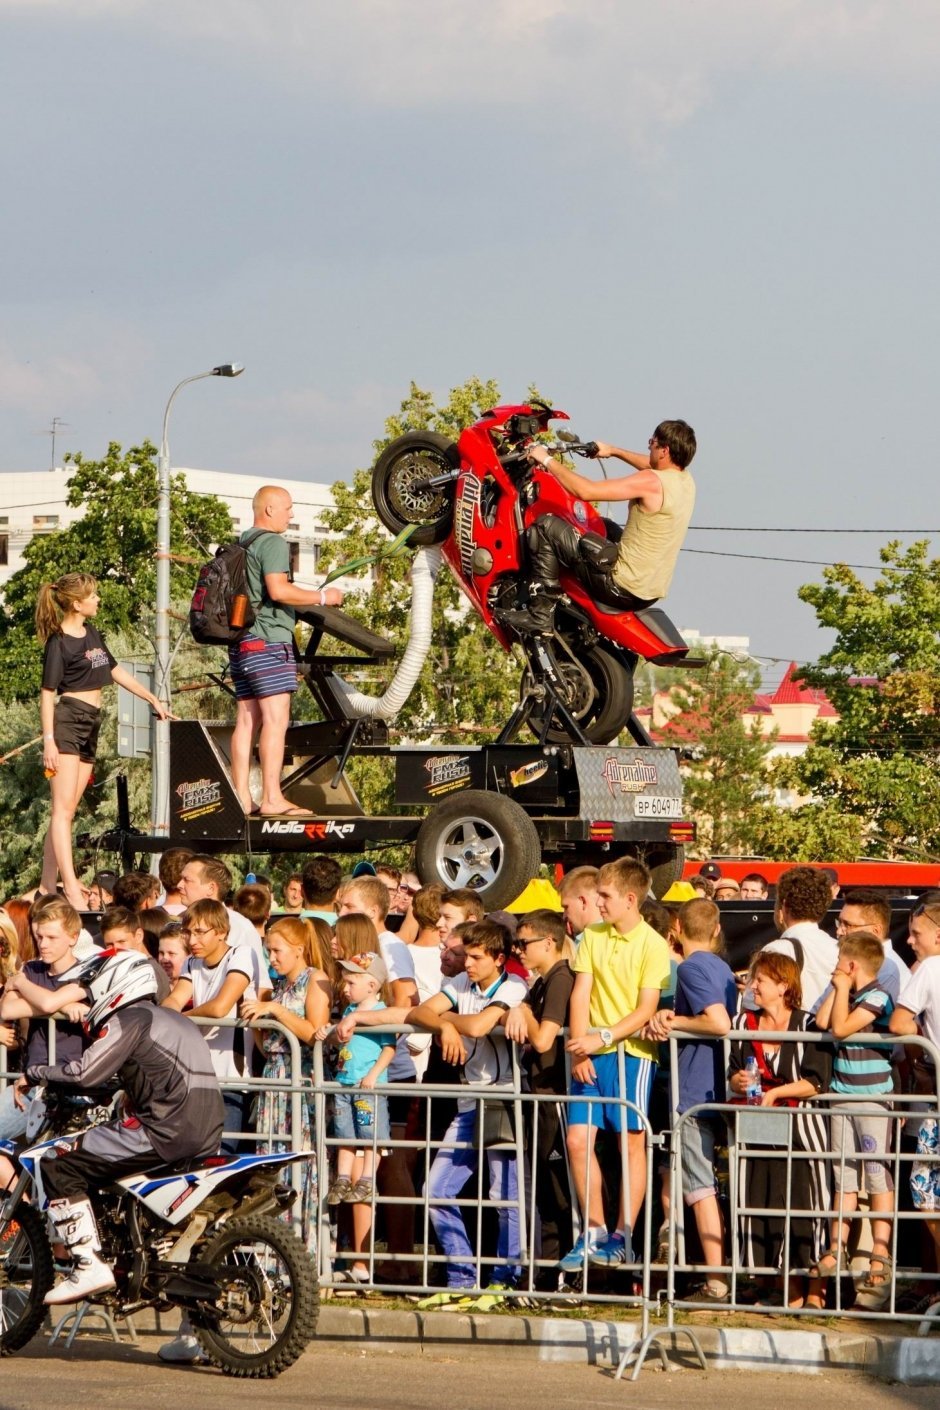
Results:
<point x="105" y="881"/>
<point x="710" y="870"/>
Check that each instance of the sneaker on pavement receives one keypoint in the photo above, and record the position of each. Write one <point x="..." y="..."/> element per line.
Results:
<point x="612" y="1253"/>
<point x="183" y="1351"/>
<point x="443" y="1299"/>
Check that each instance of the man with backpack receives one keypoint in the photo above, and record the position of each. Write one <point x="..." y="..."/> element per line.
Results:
<point x="262" y="662"/>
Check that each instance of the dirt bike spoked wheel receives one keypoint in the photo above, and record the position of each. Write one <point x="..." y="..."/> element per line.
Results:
<point x="267" y="1310"/>
<point x="481" y="840"/>
<point x="398" y="493"/>
<point x="26" y="1275"/>
<point x="598" y="693"/>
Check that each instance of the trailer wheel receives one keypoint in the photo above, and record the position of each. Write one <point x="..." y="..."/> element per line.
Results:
<point x="481" y="840"/>
<point x="665" y="868"/>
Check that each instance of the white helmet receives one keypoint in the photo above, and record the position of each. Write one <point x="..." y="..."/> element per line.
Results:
<point x="112" y="979"/>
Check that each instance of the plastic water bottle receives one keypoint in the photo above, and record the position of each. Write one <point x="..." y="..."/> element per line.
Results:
<point x="753" y="1090"/>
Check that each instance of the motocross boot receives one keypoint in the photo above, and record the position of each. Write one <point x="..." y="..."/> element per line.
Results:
<point x="74" y="1223"/>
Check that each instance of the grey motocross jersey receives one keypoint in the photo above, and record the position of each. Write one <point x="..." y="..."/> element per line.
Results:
<point x="165" y="1068"/>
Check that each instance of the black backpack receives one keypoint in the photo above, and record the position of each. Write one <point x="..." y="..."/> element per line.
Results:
<point x="220" y="581"/>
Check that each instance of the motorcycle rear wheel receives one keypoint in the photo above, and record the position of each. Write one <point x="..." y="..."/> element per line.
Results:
<point x="267" y="1312"/>
<point x="600" y="698"/>
<point x="26" y="1275"/>
<point x="416" y="456"/>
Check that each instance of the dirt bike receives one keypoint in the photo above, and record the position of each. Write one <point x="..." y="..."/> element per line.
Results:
<point x="476" y="497"/>
<point x="202" y="1240"/>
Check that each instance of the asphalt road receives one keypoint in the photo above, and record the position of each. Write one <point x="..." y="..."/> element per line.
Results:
<point x="99" y="1374"/>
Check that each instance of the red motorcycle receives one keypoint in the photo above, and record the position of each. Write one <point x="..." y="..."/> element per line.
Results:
<point x="476" y="497"/>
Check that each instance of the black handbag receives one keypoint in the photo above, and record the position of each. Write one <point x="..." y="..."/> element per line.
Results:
<point x="495" y="1125"/>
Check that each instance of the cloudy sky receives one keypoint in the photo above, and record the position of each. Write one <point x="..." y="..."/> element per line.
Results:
<point x="725" y="210"/>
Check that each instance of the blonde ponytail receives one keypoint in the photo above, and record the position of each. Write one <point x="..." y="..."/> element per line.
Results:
<point x="55" y="599"/>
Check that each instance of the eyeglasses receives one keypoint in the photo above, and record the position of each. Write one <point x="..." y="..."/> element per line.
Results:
<point x="188" y="934"/>
<point x="846" y="926"/>
<point x="524" y="944"/>
<point x="652" y="442"/>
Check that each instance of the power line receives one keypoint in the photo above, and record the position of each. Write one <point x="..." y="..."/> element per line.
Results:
<point x="763" y="529"/>
<point x="766" y="558"/>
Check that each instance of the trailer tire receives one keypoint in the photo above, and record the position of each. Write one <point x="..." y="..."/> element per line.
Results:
<point x="481" y="840"/>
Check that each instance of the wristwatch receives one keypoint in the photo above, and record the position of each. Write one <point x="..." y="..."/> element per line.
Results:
<point x="606" y="1036"/>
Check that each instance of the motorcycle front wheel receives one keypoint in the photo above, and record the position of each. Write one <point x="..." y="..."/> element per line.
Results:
<point x="267" y="1308"/>
<point x="397" y="486"/>
<point x="598" y="694"/>
<point x="26" y="1275"/>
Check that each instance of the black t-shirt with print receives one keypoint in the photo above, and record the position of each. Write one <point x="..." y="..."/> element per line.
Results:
<point x="75" y="663"/>
<point x="548" y="999"/>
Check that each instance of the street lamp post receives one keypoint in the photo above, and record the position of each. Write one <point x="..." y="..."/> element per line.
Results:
<point x="160" y="794"/>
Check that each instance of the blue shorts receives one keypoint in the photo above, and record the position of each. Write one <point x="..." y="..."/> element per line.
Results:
<point x="360" y="1115"/>
<point x="262" y="668"/>
<point x="638" y="1074"/>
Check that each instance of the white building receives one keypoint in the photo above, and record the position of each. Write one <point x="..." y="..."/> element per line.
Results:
<point x="33" y="502"/>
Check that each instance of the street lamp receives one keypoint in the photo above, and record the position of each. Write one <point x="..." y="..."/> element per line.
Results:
<point x="160" y="795"/>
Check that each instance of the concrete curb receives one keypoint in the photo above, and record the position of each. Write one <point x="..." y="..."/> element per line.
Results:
<point x="905" y="1359"/>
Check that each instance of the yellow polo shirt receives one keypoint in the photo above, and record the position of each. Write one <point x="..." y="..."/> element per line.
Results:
<point x="622" y="965"/>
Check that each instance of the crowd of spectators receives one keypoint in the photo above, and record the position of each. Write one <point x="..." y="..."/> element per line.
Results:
<point x="583" y="983"/>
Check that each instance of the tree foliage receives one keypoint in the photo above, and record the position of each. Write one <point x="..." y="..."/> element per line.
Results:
<point x="873" y="773"/>
<point x="114" y="541"/>
<point x="724" y="763"/>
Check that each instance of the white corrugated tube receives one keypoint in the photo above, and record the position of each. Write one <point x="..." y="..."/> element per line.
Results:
<point x="424" y="571"/>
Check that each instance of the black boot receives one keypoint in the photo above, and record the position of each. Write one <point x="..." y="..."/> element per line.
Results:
<point x="538" y="619"/>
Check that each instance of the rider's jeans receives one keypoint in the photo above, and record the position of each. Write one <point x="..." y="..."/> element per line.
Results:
<point x="449" y="1173"/>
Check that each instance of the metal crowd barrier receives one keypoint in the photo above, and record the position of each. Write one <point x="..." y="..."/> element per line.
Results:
<point x="640" y="1283"/>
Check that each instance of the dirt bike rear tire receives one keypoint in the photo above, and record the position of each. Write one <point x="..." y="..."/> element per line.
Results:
<point x="26" y="1275"/>
<point x="411" y="457"/>
<point x="607" y="713"/>
<point x="302" y="1294"/>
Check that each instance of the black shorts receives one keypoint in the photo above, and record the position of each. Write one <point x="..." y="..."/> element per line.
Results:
<point x="75" y="728"/>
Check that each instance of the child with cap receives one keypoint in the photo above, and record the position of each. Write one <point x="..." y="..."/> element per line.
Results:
<point x="360" y="1114"/>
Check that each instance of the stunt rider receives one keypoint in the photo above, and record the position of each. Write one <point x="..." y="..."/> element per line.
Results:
<point x="636" y="573"/>
<point x="173" y="1106"/>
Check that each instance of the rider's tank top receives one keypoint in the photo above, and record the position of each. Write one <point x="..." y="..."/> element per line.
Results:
<point x="651" y="542"/>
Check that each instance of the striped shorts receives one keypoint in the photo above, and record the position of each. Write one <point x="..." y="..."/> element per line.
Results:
<point x="261" y="668"/>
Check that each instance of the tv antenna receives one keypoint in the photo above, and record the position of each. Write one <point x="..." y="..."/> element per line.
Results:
<point x="53" y="432"/>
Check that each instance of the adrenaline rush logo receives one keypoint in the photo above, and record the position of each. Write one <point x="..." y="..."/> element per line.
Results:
<point x="628" y="777"/>
<point x="467" y="506"/>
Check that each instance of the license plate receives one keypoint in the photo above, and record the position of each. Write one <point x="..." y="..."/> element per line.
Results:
<point x="657" y="808"/>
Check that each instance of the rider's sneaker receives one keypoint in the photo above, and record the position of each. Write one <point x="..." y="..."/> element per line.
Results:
<point x="182" y="1351"/>
<point x="612" y="1253"/>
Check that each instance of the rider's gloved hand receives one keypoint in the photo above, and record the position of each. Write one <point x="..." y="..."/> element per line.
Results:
<point x="538" y="453"/>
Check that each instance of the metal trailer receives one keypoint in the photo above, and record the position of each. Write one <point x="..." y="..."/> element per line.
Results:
<point x="484" y="816"/>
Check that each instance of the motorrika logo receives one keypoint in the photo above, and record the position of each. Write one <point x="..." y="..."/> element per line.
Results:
<point x="315" y="830"/>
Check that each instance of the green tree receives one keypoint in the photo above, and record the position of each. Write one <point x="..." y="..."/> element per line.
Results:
<point x="114" y="540"/>
<point x="724" y="761"/>
<point x="873" y="773"/>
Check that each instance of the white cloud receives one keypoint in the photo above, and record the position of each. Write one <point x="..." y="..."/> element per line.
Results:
<point x="637" y="67"/>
